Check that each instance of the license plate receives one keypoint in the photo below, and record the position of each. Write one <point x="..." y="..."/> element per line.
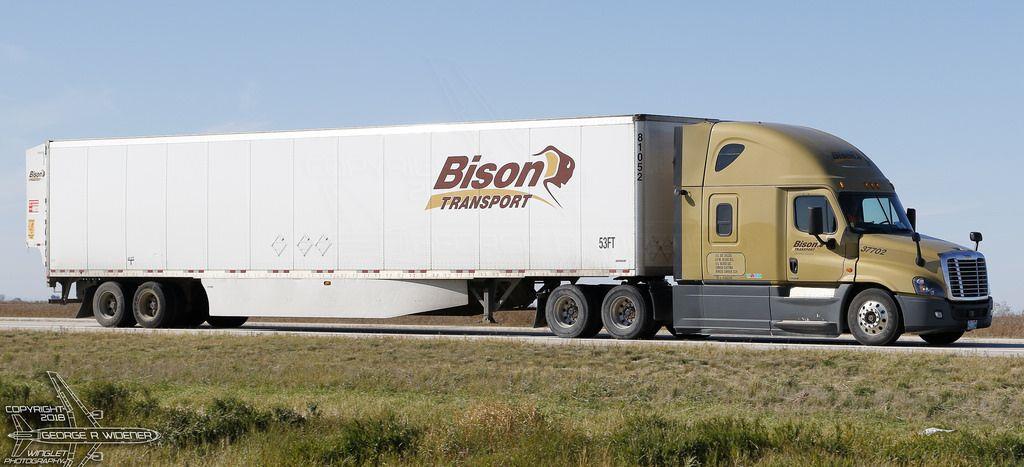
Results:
<point x="972" y="324"/>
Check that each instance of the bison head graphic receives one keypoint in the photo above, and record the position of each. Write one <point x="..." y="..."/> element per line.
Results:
<point x="558" y="171"/>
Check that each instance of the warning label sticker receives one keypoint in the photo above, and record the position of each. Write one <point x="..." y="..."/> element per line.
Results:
<point x="726" y="264"/>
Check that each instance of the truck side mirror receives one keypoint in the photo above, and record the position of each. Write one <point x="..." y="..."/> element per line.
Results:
<point x="916" y="238"/>
<point x="912" y="217"/>
<point x="817" y="226"/>
<point x="976" y="238"/>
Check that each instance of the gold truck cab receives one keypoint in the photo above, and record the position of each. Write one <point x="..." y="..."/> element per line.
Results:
<point x="790" y="230"/>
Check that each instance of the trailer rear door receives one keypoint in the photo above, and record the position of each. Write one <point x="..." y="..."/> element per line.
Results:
<point x="36" y="188"/>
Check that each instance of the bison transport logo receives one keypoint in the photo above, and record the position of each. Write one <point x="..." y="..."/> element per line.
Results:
<point x="477" y="185"/>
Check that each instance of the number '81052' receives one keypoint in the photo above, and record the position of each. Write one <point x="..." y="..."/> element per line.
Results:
<point x="639" y="157"/>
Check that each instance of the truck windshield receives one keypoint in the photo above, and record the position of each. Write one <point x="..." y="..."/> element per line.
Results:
<point x="874" y="213"/>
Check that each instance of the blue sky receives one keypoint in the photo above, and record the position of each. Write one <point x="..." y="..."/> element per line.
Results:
<point x="932" y="91"/>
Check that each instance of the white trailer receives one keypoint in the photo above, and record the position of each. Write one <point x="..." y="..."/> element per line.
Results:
<point x="360" y="222"/>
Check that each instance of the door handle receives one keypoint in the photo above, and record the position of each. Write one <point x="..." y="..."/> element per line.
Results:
<point x="793" y="265"/>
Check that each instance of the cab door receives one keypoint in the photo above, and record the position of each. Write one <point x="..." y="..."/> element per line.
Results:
<point x="808" y="260"/>
<point x="734" y="299"/>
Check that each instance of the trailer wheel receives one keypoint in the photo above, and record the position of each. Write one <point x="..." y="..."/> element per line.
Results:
<point x="626" y="315"/>
<point x="874" y="318"/>
<point x="227" y="321"/>
<point x="110" y="307"/>
<point x="942" y="338"/>
<point x="154" y="306"/>
<point x="570" y="314"/>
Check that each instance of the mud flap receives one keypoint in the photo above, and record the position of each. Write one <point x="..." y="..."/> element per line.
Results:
<point x="85" y="309"/>
<point x="661" y="302"/>
<point x="540" y="319"/>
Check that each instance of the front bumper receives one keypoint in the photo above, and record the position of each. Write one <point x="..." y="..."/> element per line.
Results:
<point x="919" y="313"/>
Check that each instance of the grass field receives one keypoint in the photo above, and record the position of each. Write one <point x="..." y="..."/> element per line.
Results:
<point x="241" y="400"/>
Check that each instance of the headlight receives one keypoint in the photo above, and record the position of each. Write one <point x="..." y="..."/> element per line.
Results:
<point x="928" y="287"/>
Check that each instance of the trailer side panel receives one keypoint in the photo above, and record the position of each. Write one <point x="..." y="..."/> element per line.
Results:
<point x="458" y="202"/>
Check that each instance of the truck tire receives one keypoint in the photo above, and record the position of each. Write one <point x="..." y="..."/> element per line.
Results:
<point x="626" y="315"/>
<point x="110" y="307"/>
<point x="874" y="318"/>
<point x="154" y="306"/>
<point x="227" y="321"/>
<point x="942" y="338"/>
<point x="570" y="314"/>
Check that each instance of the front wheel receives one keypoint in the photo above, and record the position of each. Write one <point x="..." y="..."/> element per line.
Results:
<point x="874" y="318"/>
<point x="942" y="338"/>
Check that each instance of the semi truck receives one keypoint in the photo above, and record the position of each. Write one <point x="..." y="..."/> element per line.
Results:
<point x="628" y="223"/>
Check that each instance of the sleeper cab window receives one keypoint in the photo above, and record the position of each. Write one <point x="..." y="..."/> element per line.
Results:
<point x="727" y="155"/>
<point x="723" y="220"/>
<point x="802" y="213"/>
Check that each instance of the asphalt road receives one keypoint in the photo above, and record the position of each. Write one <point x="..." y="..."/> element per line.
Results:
<point x="540" y="336"/>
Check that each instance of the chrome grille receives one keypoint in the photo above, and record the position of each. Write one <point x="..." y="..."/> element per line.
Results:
<point x="966" y="277"/>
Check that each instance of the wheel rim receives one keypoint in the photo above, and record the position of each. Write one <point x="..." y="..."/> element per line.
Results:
<point x="149" y="305"/>
<point x="873" y="317"/>
<point x="623" y="311"/>
<point x="108" y="304"/>
<point x="567" y="311"/>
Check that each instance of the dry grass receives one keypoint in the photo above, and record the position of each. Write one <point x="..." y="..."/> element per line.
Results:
<point x="1007" y="325"/>
<point x="37" y="310"/>
<point x="233" y="400"/>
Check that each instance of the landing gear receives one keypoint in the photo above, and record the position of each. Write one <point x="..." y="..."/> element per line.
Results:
<point x="494" y="294"/>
